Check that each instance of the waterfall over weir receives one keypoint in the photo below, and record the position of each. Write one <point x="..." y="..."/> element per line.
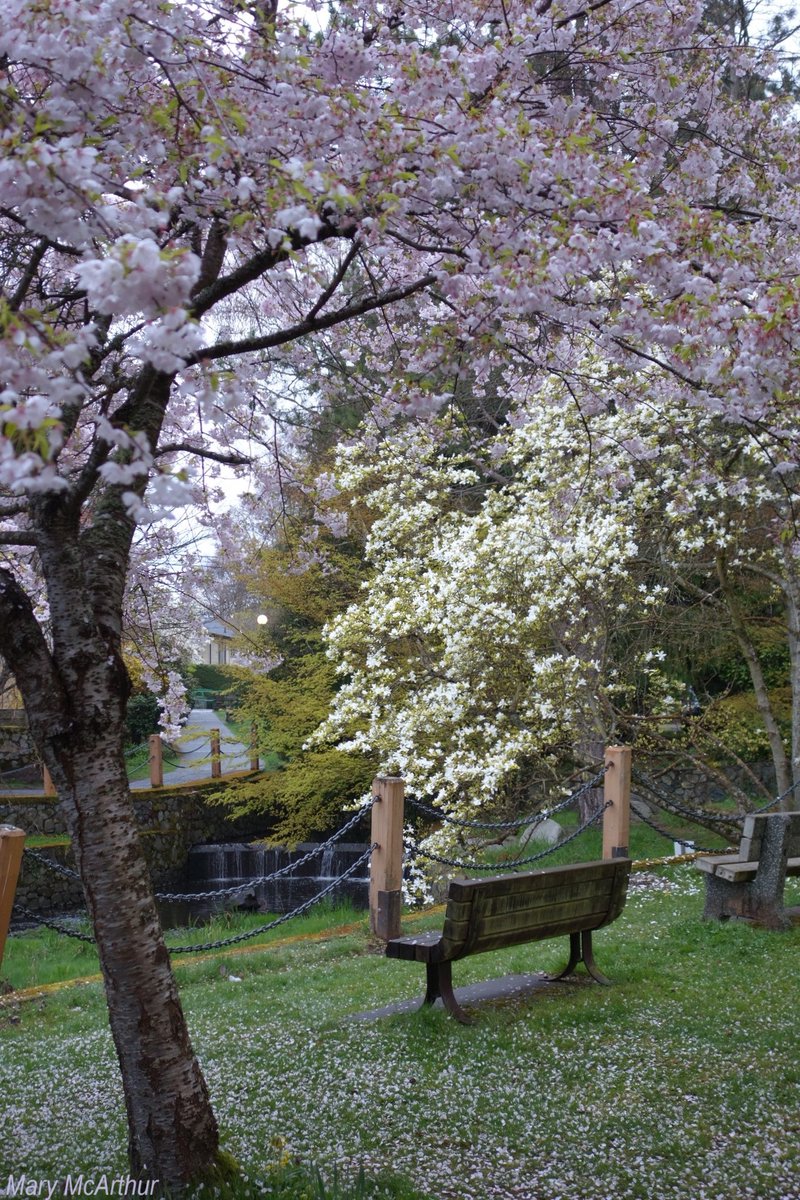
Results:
<point x="226" y="864"/>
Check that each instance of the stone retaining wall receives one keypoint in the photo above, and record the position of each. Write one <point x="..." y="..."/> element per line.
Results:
<point x="694" y="789"/>
<point x="172" y="820"/>
<point x="16" y="748"/>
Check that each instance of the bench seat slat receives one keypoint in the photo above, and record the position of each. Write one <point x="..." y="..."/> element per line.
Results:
<point x="418" y="948"/>
<point x="709" y="865"/>
<point x="731" y="868"/>
<point x="736" y="872"/>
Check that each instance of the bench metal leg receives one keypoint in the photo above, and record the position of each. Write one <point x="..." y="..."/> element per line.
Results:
<point x="580" y="950"/>
<point x="574" y="957"/>
<point x="588" y="960"/>
<point x="440" y="986"/>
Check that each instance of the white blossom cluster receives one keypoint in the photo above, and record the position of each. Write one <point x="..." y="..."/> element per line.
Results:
<point x="483" y="636"/>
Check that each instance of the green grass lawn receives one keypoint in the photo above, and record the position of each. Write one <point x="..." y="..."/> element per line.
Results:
<point x="36" y="840"/>
<point x="137" y="761"/>
<point x="43" y="956"/>
<point x="682" y="1080"/>
<point x="40" y="957"/>
<point x="270" y="761"/>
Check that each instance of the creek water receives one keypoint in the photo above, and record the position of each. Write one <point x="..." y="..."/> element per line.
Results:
<point x="217" y="867"/>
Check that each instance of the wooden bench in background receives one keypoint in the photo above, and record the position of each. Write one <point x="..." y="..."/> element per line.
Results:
<point x="749" y="885"/>
<point x="508" y="910"/>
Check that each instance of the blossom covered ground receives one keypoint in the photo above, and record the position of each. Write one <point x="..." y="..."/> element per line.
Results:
<point x="681" y="1081"/>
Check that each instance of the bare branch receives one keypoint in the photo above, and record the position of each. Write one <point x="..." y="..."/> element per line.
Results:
<point x="24" y="648"/>
<point x="13" y="508"/>
<point x="307" y="326"/>
<point x="259" y="264"/>
<point x="15" y="537"/>
<point x="230" y="460"/>
<point x="659" y="362"/>
<point x="28" y="276"/>
<point x="582" y="12"/>
<point x="337" y="279"/>
<point x="213" y="256"/>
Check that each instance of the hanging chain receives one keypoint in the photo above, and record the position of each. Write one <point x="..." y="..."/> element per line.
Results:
<point x="56" y="868"/>
<point x="517" y="862"/>
<point x="674" y="806"/>
<point x="214" y="893"/>
<point x="776" y="800"/>
<point x="301" y="909"/>
<point x="640" y="816"/>
<point x="518" y="822"/>
<point x="50" y="923"/>
<point x="259" y="879"/>
<point x="296" y="912"/>
<point x="17" y="770"/>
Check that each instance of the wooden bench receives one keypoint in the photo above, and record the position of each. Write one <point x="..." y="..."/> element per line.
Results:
<point x="507" y="910"/>
<point x="749" y="885"/>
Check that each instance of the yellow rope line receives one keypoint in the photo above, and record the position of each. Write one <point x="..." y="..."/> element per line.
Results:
<point x="641" y="864"/>
<point x="33" y="993"/>
<point x="44" y="989"/>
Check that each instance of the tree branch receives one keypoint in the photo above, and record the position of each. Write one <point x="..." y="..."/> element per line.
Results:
<point x="750" y="654"/>
<point x="665" y="366"/>
<point x="230" y="460"/>
<point x="337" y="279"/>
<point x="763" y="573"/>
<point x="23" y="646"/>
<point x="15" y="537"/>
<point x="307" y="326"/>
<point x="262" y="262"/>
<point x="545" y="5"/>
<point x="28" y="276"/>
<point x="13" y="509"/>
<point x="213" y="256"/>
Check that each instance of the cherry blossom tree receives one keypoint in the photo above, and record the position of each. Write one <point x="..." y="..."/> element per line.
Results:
<point x="191" y="194"/>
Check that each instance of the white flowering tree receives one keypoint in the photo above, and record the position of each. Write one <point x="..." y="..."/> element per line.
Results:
<point x="516" y="612"/>
<point x="485" y="637"/>
<point x="191" y="194"/>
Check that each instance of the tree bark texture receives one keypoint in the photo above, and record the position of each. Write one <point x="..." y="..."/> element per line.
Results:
<point x="75" y="687"/>
<point x="172" y="1129"/>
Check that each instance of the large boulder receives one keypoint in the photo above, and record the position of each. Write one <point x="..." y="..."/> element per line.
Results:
<point x="547" y="831"/>
<point x="640" y="807"/>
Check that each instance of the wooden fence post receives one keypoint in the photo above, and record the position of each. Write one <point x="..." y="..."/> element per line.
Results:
<point x="386" y="865"/>
<point x="156" y="760"/>
<point x="254" y="763"/>
<point x="216" y="762"/>
<point x="48" y="787"/>
<point x="12" y="841"/>
<point x="617" y="791"/>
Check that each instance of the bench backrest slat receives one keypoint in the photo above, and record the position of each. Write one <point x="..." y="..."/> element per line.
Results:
<point x="486" y="914"/>
<point x="753" y="835"/>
